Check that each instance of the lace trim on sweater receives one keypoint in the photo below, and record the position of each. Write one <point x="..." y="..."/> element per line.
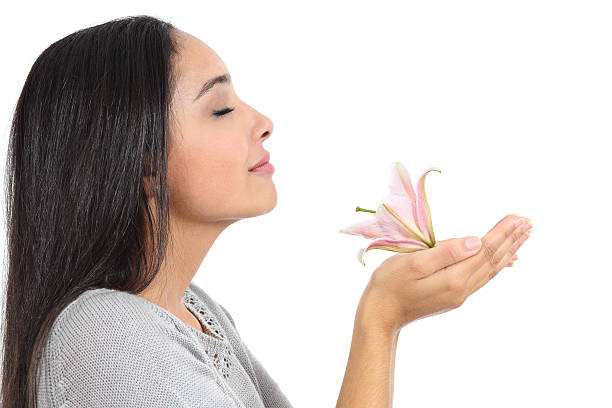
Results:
<point x="218" y="349"/>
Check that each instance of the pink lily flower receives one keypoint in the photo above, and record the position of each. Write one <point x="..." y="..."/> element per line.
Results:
<point x="402" y="223"/>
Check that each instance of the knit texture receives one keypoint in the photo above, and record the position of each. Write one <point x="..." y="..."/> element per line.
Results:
<point x="109" y="348"/>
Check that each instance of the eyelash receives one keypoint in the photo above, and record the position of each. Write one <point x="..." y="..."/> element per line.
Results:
<point x="223" y="111"/>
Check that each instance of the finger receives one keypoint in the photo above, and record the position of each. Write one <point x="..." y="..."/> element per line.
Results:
<point x="445" y="253"/>
<point x="511" y="256"/>
<point x="450" y="277"/>
<point x="486" y="276"/>
<point x="498" y="256"/>
<point x="494" y="272"/>
<point x="498" y="246"/>
<point x="514" y="258"/>
<point x="511" y="261"/>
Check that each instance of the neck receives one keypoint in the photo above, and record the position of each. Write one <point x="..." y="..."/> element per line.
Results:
<point x="189" y="244"/>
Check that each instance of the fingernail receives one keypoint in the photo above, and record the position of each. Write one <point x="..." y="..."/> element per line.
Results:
<point x="472" y="243"/>
<point x="519" y="222"/>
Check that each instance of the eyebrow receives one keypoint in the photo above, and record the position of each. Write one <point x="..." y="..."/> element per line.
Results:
<point x="225" y="78"/>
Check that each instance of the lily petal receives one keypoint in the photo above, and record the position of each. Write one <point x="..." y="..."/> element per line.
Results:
<point x="423" y="214"/>
<point x="400" y="183"/>
<point x="367" y="229"/>
<point x="393" y="225"/>
<point x="408" y="245"/>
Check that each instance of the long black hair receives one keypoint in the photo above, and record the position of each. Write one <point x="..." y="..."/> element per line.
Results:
<point x="91" y="124"/>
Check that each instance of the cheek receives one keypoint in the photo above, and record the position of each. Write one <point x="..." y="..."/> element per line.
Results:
<point x="204" y="179"/>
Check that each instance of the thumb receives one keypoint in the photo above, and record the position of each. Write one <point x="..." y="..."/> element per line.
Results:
<point x="446" y="253"/>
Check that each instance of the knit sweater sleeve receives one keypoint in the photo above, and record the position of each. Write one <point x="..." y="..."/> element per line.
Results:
<point x="271" y="393"/>
<point x="101" y="353"/>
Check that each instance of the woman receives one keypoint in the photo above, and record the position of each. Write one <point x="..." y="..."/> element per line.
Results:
<point x="129" y="154"/>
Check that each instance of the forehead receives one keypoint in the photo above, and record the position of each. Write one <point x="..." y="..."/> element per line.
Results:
<point x="196" y="62"/>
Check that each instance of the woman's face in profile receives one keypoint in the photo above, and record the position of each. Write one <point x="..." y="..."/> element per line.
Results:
<point x="210" y="152"/>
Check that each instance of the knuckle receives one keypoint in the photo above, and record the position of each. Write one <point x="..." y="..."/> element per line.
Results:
<point x="494" y="271"/>
<point x="516" y="244"/>
<point x="496" y="260"/>
<point x="516" y="234"/>
<point x="457" y="251"/>
<point x="417" y="264"/>
<point x="489" y="253"/>
<point x="458" y="300"/>
<point x="455" y="284"/>
<point x="377" y="279"/>
<point x="514" y="247"/>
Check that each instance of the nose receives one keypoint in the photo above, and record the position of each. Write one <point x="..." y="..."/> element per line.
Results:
<point x="265" y="128"/>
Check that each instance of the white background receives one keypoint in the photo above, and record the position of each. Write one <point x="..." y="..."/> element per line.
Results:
<point x="511" y="100"/>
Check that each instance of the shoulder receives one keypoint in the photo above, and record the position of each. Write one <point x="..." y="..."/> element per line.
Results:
<point x="101" y="315"/>
<point x="105" y="328"/>
<point x="99" y="303"/>
<point x="110" y="346"/>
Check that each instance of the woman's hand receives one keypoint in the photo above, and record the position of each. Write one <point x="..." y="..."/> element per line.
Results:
<point x="410" y="286"/>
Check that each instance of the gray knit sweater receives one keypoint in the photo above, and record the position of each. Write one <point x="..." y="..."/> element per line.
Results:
<point x="109" y="348"/>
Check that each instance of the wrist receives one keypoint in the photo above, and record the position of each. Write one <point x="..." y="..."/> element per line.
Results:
<point x="375" y="315"/>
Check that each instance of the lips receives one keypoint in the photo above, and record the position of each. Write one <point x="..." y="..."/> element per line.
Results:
<point x="264" y="160"/>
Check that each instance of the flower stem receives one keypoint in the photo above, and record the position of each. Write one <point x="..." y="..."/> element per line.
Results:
<point x="364" y="210"/>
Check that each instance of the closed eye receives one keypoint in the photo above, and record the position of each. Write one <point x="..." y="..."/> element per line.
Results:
<point x="223" y="111"/>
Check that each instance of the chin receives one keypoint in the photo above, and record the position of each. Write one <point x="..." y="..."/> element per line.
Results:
<point x="263" y="204"/>
<point x="271" y="203"/>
